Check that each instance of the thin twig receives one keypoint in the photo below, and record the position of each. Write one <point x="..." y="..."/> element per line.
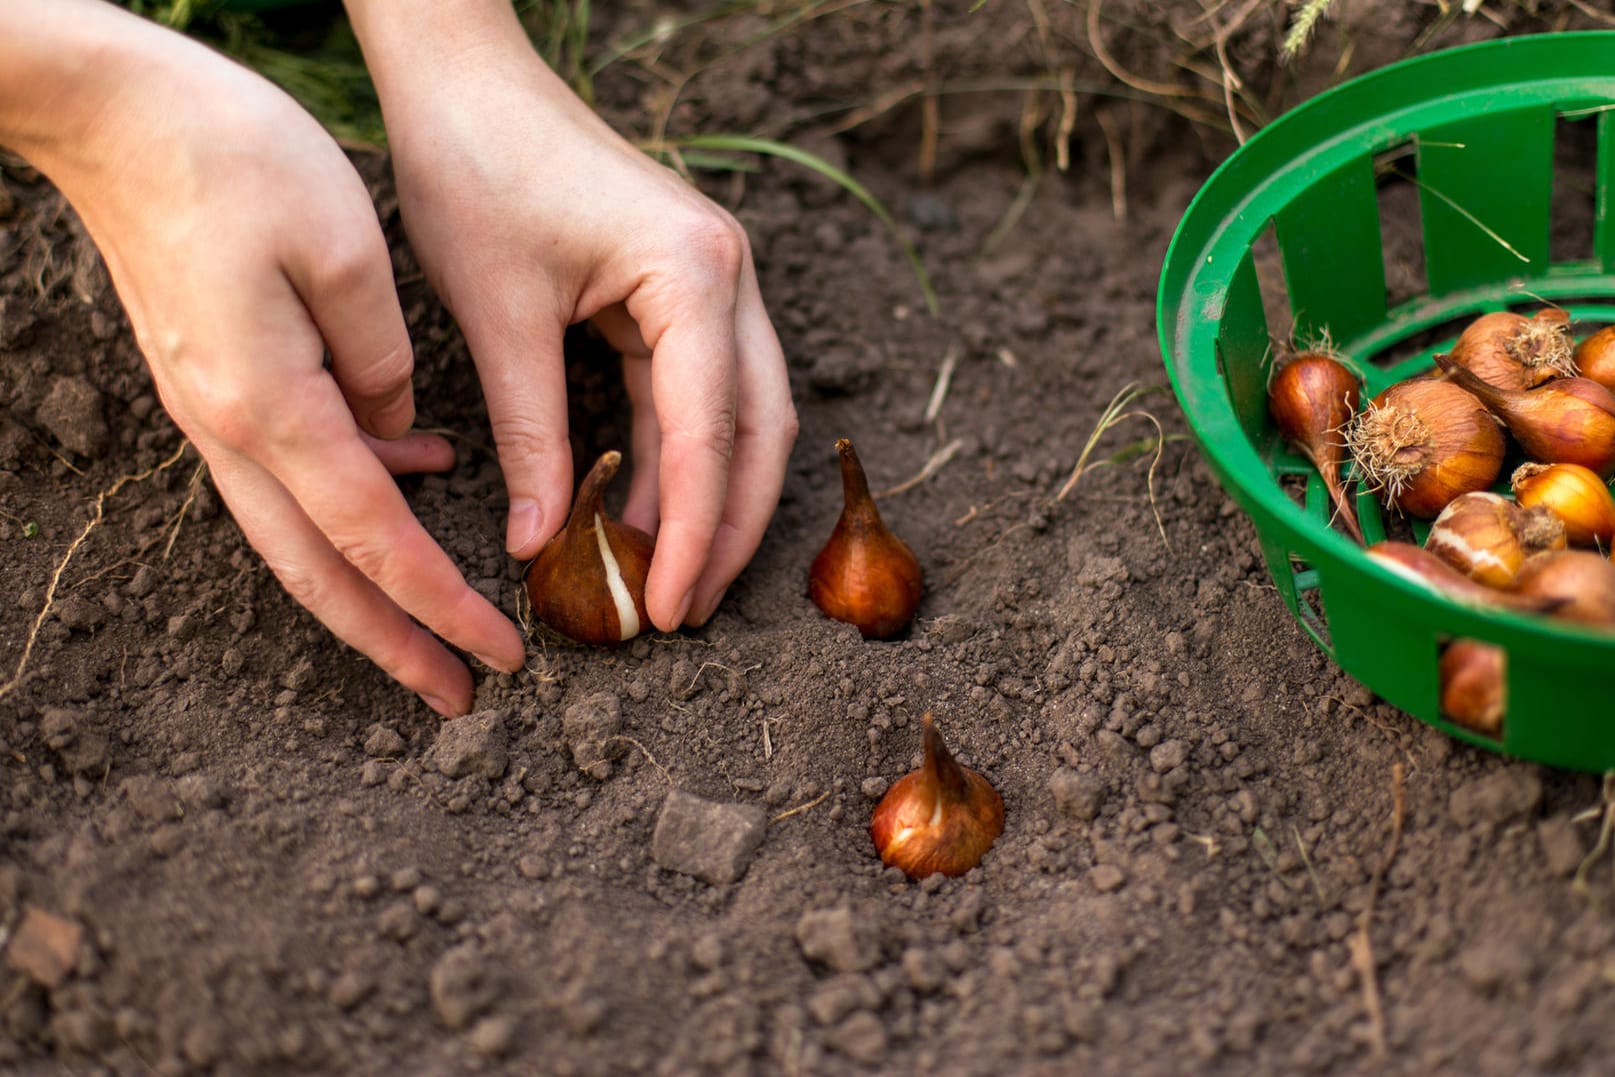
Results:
<point x="800" y="808"/>
<point x="932" y="466"/>
<point x="56" y="577"/>
<point x="944" y="379"/>
<point x="1362" y="947"/>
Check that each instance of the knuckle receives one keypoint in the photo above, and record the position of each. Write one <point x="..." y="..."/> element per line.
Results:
<point x="371" y="553"/>
<point x="382" y="373"/>
<point x="713" y="433"/>
<point x="522" y="439"/>
<point x="717" y="242"/>
<point x="347" y="261"/>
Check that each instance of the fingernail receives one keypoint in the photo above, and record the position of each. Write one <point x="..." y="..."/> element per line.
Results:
<point x="523" y="525"/>
<point x="502" y="667"/>
<point x="438" y="705"/>
<point x="709" y="608"/>
<point x="684" y="607"/>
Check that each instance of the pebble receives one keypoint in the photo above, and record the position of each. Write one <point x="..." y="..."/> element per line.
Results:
<point x="349" y="989"/>
<point x="861" y="1037"/>
<point x="843" y="995"/>
<point x="493" y="1037"/>
<point x="1491" y="961"/>
<point x="460" y="986"/>
<point x="1168" y="755"/>
<point x="398" y="921"/>
<point x="711" y="840"/>
<point x="1107" y="878"/>
<point x="72" y="412"/>
<point x="45" y="947"/>
<point x="473" y="744"/>
<point x="383" y="742"/>
<point x="1561" y="844"/>
<point x="1076" y="796"/>
<point x="152" y="798"/>
<point x="834" y="937"/>
<point x="590" y="728"/>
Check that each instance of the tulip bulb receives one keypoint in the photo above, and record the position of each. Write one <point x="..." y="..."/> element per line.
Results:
<point x="941" y="818"/>
<point x="1312" y="399"/>
<point x="1487" y="537"/>
<point x="1474" y="686"/>
<point x="1576" y="495"/>
<point x="1580" y="583"/>
<point x="1423" y="442"/>
<point x="1565" y="421"/>
<point x="588" y="582"/>
<point x="864" y="575"/>
<point x="1512" y="351"/>
<point x="1595" y="357"/>
<point x="1432" y="573"/>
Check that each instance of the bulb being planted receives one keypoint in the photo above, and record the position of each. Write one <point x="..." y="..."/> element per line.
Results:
<point x="941" y="818"/>
<point x="588" y="582"/>
<point x="865" y="575"/>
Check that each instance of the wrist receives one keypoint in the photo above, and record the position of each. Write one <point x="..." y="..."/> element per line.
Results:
<point x="62" y="64"/>
<point x="412" y="44"/>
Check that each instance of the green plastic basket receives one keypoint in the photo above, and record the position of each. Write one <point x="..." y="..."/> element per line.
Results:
<point x="1479" y="123"/>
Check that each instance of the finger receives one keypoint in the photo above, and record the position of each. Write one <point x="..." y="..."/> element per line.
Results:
<point x="351" y="606"/>
<point x="349" y="496"/>
<point x="347" y="286"/>
<point x="640" y="509"/>
<point x="413" y="454"/>
<point x="765" y="430"/>
<point x="523" y="373"/>
<point x="693" y="383"/>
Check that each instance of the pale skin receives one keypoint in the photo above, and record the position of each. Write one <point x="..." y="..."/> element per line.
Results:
<point x="245" y="248"/>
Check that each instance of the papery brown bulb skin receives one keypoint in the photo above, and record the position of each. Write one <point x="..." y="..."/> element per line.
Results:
<point x="1474" y="686"/>
<point x="588" y="581"/>
<point x="1312" y="398"/>
<point x="1512" y="351"/>
<point x="941" y="818"/>
<point x="1423" y="442"/>
<point x="1575" y="494"/>
<point x="1563" y="421"/>
<point x="1581" y="582"/>
<point x="1432" y="573"/>
<point x="1487" y="537"/>
<point x="1595" y="357"/>
<point x="865" y="575"/>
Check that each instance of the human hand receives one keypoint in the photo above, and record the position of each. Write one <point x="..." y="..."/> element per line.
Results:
<point x="244" y="245"/>
<point x="529" y="214"/>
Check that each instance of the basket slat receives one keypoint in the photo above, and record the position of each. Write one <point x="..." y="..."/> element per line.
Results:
<point x="1485" y="192"/>
<point x="1333" y="266"/>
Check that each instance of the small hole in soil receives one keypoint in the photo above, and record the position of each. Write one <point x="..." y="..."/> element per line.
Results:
<point x="1400" y="225"/>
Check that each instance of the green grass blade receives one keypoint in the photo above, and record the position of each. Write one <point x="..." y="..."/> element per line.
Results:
<point x="796" y="155"/>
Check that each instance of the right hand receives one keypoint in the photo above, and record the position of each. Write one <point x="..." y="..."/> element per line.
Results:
<point x="244" y="245"/>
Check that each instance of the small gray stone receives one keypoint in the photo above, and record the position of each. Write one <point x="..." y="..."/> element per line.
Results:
<point x="461" y="986"/>
<point x="492" y="1037"/>
<point x="349" y="989"/>
<point x="835" y="938"/>
<point x="590" y="728"/>
<point x="152" y="798"/>
<point x="842" y="995"/>
<point x="1106" y="878"/>
<point x="710" y="840"/>
<point x="82" y="748"/>
<point x="861" y="1037"/>
<point x="1076" y="796"/>
<point x="474" y="744"/>
<point x="72" y="413"/>
<point x="1562" y="845"/>
<point x="383" y="742"/>
<point x="1496" y="798"/>
<point x="1168" y="755"/>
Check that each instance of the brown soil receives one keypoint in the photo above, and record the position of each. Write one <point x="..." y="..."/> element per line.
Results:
<point x="265" y="857"/>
